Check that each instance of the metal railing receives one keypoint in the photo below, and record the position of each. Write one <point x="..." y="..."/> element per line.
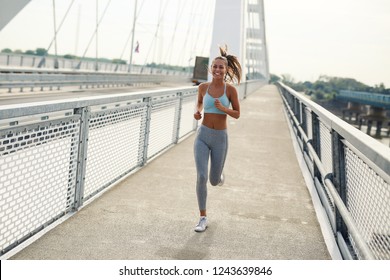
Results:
<point x="24" y="72"/>
<point x="55" y="156"/>
<point x="56" y="79"/>
<point x="15" y="61"/>
<point x="351" y="173"/>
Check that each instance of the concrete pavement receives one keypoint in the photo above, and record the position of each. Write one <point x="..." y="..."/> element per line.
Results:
<point x="263" y="211"/>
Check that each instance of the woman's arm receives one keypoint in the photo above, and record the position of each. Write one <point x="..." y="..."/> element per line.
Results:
<point x="199" y="103"/>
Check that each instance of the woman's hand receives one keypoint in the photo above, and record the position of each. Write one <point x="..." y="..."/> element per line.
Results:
<point x="197" y="116"/>
<point x="219" y="105"/>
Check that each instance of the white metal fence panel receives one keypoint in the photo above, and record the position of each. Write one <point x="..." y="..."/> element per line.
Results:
<point x="37" y="176"/>
<point x="163" y="124"/>
<point x="113" y="145"/>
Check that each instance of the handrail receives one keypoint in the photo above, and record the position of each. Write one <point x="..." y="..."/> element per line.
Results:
<point x="60" y="78"/>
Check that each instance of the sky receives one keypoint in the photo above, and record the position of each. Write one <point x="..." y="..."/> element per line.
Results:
<point x="340" y="38"/>
<point x="34" y="27"/>
<point x="305" y="38"/>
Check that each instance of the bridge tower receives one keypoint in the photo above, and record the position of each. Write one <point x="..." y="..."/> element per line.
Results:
<point x="240" y="25"/>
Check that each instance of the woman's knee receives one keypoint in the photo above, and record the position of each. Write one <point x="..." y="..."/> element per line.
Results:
<point x="214" y="180"/>
<point x="202" y="179"/>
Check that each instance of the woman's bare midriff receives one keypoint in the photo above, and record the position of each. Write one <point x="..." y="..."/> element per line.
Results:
<point x="215" y="121"/>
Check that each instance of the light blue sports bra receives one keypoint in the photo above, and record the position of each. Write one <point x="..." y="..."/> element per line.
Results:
<point x="208" y="102"/>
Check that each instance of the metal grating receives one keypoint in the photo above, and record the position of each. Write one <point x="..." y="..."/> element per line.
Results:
<point x="368" y="197"/>
<point x="38" y="165"/>
<point x="163" y="125"/>
<point x="326" y="157"/>
<point x="114" y="146"/>
<point x="186" y="118"/>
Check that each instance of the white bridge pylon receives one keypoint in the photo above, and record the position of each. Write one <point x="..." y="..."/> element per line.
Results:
<point x="240" y="25"/>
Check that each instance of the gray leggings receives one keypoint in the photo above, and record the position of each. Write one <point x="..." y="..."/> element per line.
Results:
<point x="213" y="144"/>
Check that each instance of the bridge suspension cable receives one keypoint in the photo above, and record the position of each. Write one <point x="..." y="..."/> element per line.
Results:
<point x="178" y="17"/>
<point x="56" y="30"/>
<point x="98" y="22"/>
<point x="160" y="17"/>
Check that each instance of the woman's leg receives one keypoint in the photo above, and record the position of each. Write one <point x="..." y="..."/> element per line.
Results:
<point x="202" y="153"/>
<point x="218" y="157"/>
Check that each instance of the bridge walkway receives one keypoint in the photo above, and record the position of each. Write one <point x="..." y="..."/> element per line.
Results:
<point x="263" y="211"/>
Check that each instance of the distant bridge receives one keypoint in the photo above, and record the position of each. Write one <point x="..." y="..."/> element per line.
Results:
<point x="367" y="108"/>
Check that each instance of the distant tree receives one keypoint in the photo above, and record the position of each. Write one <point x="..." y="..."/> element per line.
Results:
<point x="326" y="87"/>
<point x="380" y="88"/>
<point x="18" y="51"/>
<point x="40" y="51"/>
<point x="70" y="56"/>
<point x="274" y="78"/>
<point x="29" y="52"/>
<point x="119" y="61"/>
<point x="318" y="95"/>
<point x="287" y="78"/>
<point x="6" y="50"/>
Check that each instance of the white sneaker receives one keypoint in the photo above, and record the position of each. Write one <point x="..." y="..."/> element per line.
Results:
<point x="202" y="225"/>
<point x="222" y="179"/>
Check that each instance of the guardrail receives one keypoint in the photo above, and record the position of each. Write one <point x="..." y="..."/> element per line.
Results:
<point x="350" y="171"/>
<point x="56" y="156"/>
<point x="15" y="61"/>
<point x="19" y="71"/>
<point x="57" y="79"/>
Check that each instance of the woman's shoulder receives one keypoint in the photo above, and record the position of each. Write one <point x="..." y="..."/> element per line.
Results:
<point x="203" y="87"/>
<point x="230" y="88"/>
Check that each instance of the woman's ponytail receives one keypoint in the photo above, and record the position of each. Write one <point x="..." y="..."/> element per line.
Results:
<point x="233" y="65"/>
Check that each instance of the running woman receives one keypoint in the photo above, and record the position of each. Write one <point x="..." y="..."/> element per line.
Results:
<point x="218" y="99"/>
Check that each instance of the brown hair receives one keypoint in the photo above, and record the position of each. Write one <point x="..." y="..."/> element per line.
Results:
<point x="232" y="63"/>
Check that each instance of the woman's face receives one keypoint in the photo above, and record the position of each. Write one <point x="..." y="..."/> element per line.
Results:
<point x="218" y="69"/>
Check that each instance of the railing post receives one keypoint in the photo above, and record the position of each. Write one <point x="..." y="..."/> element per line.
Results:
<point x="144" y="137"/>
<point x="298" y="111"/>
<point x="339" y="180"/>
<point x="82" y="156"/>
<point x="316" y="143"/>
<point x="178" y="118"/>
<point x="304" y="127"/>
<point x="304" y="119"/>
